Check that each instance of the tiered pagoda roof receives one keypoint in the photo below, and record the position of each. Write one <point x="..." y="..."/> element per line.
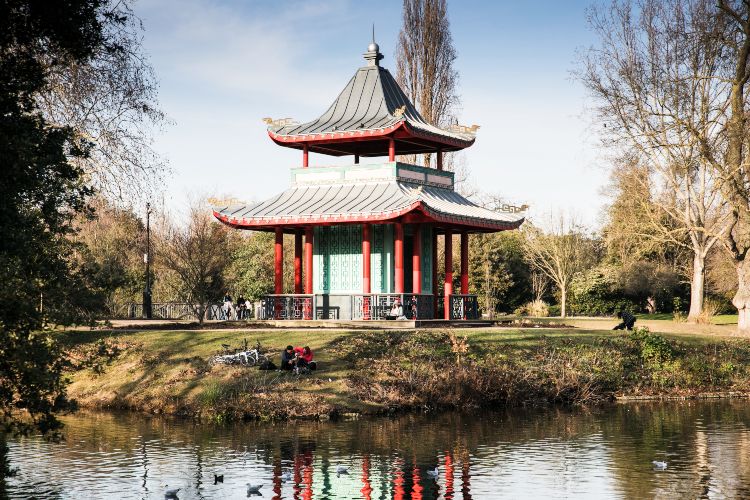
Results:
<point x="368" y="114"/>
<point x="371" y="108"/>
<point x="368" y="193"/>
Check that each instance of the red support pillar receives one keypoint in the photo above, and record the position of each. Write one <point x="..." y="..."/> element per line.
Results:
<point x="464" y="263"/>
<point x="448" y="284"/>
<point x="391" y="149"/>
<point x="297" y="262"/>
<point x="308" y="260"/>
<point x="278" y="262"/>
<point x="305" y="155"/>
<point x="366" y="244"/>
<point x="440" y="160"/>
<point x="416" y="260"/>
<point x="398" y="257"/>
<point x="434" y="271"/>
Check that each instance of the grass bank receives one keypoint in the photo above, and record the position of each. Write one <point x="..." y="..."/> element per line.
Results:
<point x="382" y="371"/>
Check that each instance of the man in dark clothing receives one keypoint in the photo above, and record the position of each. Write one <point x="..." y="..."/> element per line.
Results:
<point x="628" y="320"/>
<point x="288" y="358"/>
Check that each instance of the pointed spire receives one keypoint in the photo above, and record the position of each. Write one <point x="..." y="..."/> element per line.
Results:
<point x="373" y="55"/>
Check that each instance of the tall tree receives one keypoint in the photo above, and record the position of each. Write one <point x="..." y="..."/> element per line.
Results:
<point x="643" y="237"/>
<point x="41" y="191"/>
<point x="252" y="267"/>
<point x="112" y="253"/>
<point x="731" y="160"/>
<point x="559" y="253"/>
<point x="671" y="81"/>
<point x="647" y="76"/>
<point x="424" y="62"/>
<point x="198" y="255"/>
<point x="110" y="100"/>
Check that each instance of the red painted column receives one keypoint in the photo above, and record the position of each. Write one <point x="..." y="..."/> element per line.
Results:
<point x="434" y="271"/>
<point x="398" y="257"/>
<point x="448" y="284"/>
<point x="366" y="244"/>
<point x="440" y="160"/>
<point x="391" y="149"/>
<point x="308" y="260"/>
<point x="464" y="263"/>
<point x="297" y="262"/>
<point x="305" y="156"/>
<point x="416" y="260"/>
<point x="278" y="262"/>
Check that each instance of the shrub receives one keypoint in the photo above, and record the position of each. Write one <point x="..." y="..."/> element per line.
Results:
<point x="597" y="292"/>
<point x="711" y="308"/>
<point x="536" y="308"/>
<point x="655" y="350"/>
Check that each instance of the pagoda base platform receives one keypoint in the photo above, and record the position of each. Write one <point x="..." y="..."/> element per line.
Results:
<point x="372" y="324"/>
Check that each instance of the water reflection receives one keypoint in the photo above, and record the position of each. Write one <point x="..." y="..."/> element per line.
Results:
<point x="553" y="453"/>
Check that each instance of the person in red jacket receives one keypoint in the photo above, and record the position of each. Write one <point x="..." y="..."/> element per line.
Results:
<point x="305" y="357"/>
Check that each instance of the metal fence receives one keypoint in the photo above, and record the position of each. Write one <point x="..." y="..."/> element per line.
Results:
<point x="379" y="306"/>
<point x="462" y="307"/>
<point x="291" y="306"/>
<point x="183" y="310"/>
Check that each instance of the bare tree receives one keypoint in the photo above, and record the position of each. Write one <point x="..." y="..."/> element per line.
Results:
<point x="539" y="284"/>
<point x="110" y="100"/>
<point x="647" y="75"/>
<point x="424" y="62"/>
<point x="198" y="256"/>
<point x="731" y="161"/>
<point x="559" y="253"/>
<point x="671" y="81"/>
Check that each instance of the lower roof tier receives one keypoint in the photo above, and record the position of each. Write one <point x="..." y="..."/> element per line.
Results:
<point x="383" y="200"/>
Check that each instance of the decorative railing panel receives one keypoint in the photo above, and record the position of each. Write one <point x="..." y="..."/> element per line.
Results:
<point x="293" y="306"/>
<point x="462" y="307"/>
<point x="379" y="306"/>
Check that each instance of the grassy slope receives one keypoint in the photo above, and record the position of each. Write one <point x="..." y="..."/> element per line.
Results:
<point x="166" y="371"/>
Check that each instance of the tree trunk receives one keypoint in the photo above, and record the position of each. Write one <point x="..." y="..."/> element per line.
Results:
<point x="742" y="299"/>
<point x="563" y="301"/>
<point x="696" y="288"/>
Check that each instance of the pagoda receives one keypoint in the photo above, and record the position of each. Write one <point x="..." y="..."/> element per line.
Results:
<point x="370" y="230"/>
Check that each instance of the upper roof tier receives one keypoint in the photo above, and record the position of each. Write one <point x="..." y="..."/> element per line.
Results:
<point x="370" y="110"/>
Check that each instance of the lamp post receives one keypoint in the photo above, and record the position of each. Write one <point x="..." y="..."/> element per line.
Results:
<point x="147" y="313"/>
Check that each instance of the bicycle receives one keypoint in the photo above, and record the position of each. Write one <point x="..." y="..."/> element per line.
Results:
<point x="244" y="357"/>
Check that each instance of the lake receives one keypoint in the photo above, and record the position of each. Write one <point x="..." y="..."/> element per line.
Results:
<point x="554" y="453"/>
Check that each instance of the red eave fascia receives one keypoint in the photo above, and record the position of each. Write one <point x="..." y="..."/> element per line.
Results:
<point x="364" y="135"/>
<point x="423" y="134"/>
<point x="371" y="218"/>
<point x="332" y="137"/>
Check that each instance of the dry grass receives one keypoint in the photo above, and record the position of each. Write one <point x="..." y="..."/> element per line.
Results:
<point x="373" y="371"/>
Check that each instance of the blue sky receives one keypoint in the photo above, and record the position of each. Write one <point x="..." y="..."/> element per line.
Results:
<point x="224" y="65"/>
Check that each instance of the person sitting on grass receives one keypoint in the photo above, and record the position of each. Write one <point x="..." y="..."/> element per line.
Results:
<point x="305" y="358"/>
<point x="288" y="358"/>
<point x="628" y="320"/>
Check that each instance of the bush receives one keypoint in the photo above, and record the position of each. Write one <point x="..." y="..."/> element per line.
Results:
<point x="711" y="308"/>
<point x="655" y="350"/>
<point x="597" y="292"/>
<point x="535" y="308"/>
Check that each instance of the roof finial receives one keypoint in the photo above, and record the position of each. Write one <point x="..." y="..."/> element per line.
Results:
<point x="373" y="55"/>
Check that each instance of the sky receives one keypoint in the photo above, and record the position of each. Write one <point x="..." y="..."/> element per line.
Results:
<point x="224" y="65"/>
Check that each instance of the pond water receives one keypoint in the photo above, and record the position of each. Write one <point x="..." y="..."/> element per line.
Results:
<point x="516" y="453"/>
